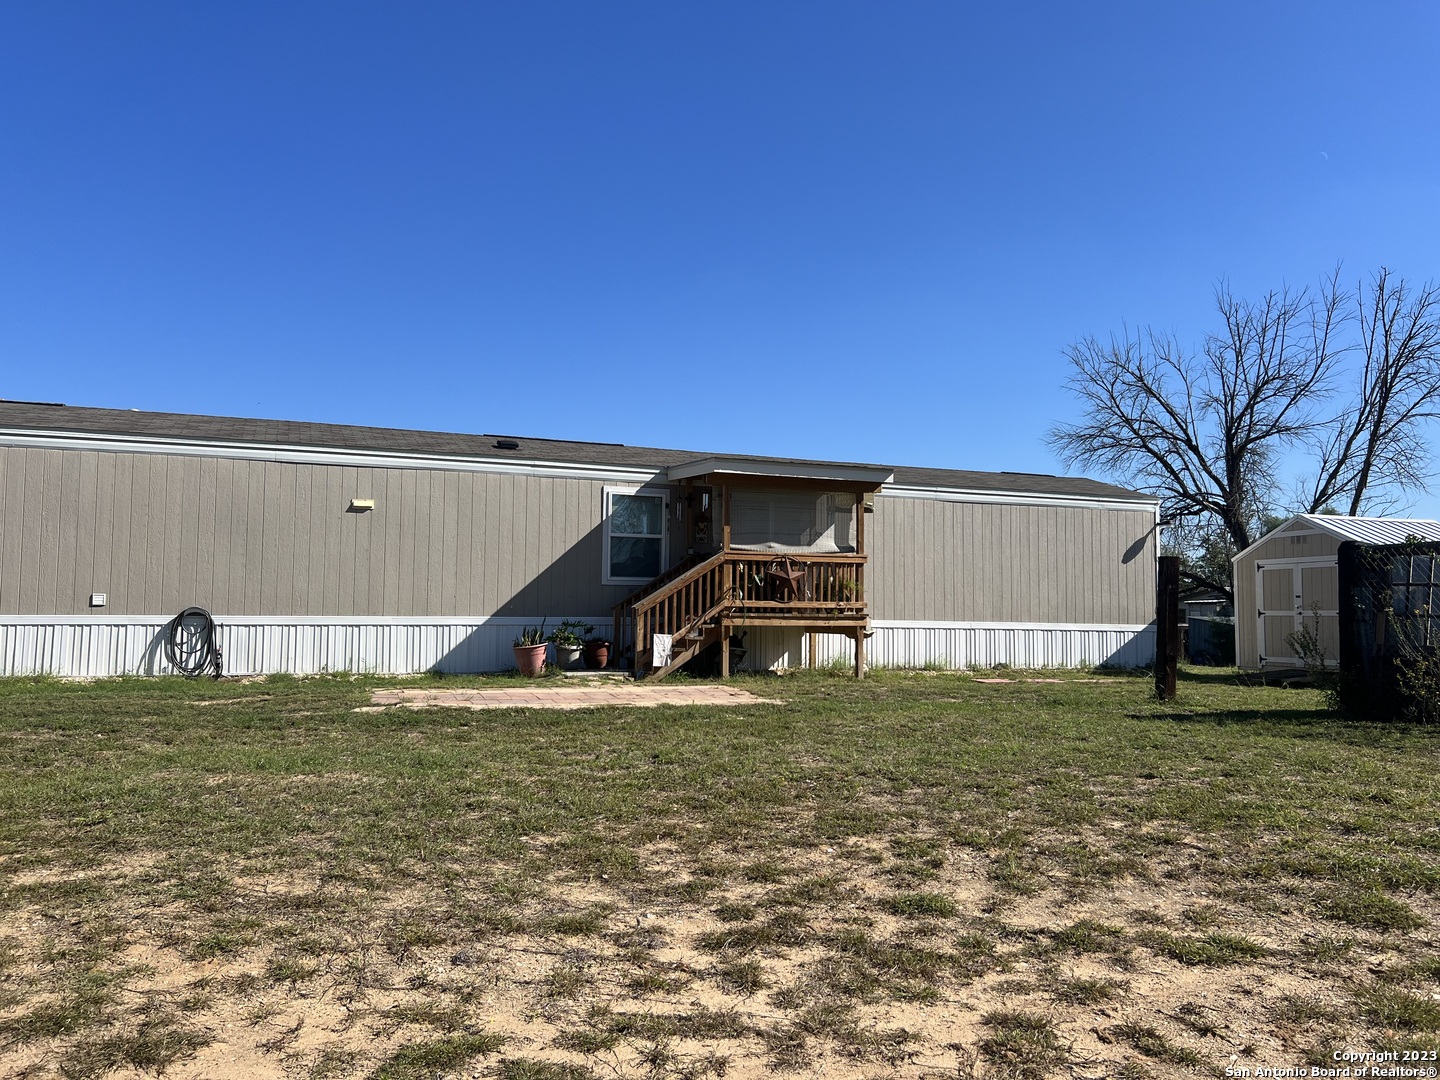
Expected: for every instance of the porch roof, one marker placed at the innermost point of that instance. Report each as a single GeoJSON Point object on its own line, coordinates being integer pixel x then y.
{"type": "Point", "coordinates": [872, 476]}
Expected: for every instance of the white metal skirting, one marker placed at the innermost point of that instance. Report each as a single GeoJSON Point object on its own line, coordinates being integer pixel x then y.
{"type": "Point", "coordinates": [1023, 645]}
{"type": "Point", "coordinates": [955, 645]}
{"type": "Point", "coordinates": [250, 645]}
{"type": "Point", "coordinates": [97, 646]}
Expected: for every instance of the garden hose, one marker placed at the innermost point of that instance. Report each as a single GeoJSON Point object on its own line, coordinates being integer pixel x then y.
{"type": "Point", "coordinates": [191, 645]}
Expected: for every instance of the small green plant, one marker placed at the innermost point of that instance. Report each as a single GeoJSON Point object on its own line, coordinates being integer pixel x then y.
{"type": "Point", "coordinates": [1371, 909]}
{"type": "Point", "coordinates": [741, 976]}
{"type": "Point", "coordinates": [570, 634]}
{"type": "Point", "coordinates": [1417, 677]}
{"type": "Point", "coordinates": [921, 904]}
{"type": "Point", "coordinates": [425, 1059]}
{"type": "Point", "coordinates": [1022, 1045]}
{"type": "Point", "coordinates": [1084, 991]}
{"type": "Point", "coordinates": [1310, 650]}
{"type": "Point", "coordinates": [535, 1069]}
{"type": "Point", "coordinates": [735, 912]}
{"type": "Point", "coordinates": [530, 635]}
{"type": "Point", "coordinates": [1155, 1045]}
{"type": "Point", "coordinates": [1212, 950]}
{"type": "Point", "coordinates": [1398, 1009]}
{"type": "Point", "coordinates": [1087, 936]}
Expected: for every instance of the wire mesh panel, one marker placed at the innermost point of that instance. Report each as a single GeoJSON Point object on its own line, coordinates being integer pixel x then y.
{"type": "Point", "coordinates": [1390, 628]}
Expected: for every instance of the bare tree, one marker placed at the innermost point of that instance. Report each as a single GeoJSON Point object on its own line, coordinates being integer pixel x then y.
{"type": "Point", "coordinates": [1376, 445]}
{"type": "Point", "coordinates": [1209, 431]}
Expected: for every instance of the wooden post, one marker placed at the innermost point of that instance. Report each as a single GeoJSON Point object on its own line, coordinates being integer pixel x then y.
{"type": "Point", "coordinates": [860, 549]}
{"type": "Point", "coordinates": [689, 497]}
{"type": "Point", "coordinates": [725, 516]}
{"type": "Point", "coordinates": [859, 652]}
{"type": "Point", "coordinates": [724, 650]}
{"type": "Point", "coordinates": [1167, 627]}
{"type": "Point", "coordinates": [814, 641]}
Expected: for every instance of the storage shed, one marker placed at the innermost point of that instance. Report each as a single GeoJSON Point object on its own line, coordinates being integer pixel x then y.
{"type": "Point", "coordinates": [332, 547]}
{"type": "Point", "coordinates": [1289, 579]}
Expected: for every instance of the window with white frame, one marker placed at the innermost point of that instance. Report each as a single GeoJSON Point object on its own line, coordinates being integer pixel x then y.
{"type": "Point", "coordinates": [634, 535]}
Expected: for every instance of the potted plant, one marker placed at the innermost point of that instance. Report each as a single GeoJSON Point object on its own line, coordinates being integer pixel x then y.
{"type": "Point", "coordinates": [597, 653]}
{"type": "Point", "coordinates": [569, 643]}
{"type": "Point", "coordinates": [530, 648]}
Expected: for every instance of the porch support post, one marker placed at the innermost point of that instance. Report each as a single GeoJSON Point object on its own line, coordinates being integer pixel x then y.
{"type": "Point", "coordinates": [724, 650]}
{"type": "Point", "coordinates": [860, 593]}
{"type": "Point", "coordinates": [689, 497]}
{"type": "Point", "coordinates": [859, 652]}
{"type": "Point", "coordinates": [725, 515]}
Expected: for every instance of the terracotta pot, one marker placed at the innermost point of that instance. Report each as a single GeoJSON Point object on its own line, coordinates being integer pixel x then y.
{"type": "Point", "coordinates": [597, 654]}
{"type": "Point", "coordinates": [568, 657]}
{"type": "Point", "coordinates": [530, 659]}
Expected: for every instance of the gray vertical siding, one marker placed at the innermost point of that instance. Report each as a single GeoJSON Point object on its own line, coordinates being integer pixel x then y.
{"type": "Point", "coordinates": [159, 532]}
{"type": "Point", "coordinates": [986, 562]}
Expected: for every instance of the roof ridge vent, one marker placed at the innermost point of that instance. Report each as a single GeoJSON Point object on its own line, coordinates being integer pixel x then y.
{"type": "Point", "coordinates": [506, 444]}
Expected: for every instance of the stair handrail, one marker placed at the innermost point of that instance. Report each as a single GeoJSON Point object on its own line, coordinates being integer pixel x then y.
{"type": "Point", "coordinates": [669, 588]}
{"type": "Point", "coordinates": [700, 620]}
{"type": "Point", "coordinates": [684, 566]}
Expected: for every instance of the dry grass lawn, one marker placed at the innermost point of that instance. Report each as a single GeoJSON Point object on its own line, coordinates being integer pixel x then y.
{"type": "Point", "coordinates": [919, 875]}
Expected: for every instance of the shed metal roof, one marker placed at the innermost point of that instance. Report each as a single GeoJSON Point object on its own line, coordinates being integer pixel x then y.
{"type": "Point", "coordinates": [1367, 530]}
{"type": "Point", "coordinates": [69, 419]}
{"type": "Point", "coordinates": [1375, 530]}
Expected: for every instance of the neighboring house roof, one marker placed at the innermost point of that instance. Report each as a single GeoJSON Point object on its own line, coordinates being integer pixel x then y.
{"type": "Point", "coordinates": [1203, 596]}
{"type": "Point", "coordinates": [69, 419]}
{"type": "Point", "coordinates": [1367, 530]}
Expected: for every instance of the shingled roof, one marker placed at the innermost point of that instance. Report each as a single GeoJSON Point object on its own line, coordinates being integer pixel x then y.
{"type": "Point", "coordinates": [56, 418]}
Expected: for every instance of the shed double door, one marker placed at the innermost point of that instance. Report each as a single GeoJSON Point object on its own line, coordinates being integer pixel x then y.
{"type": "Point", "coordinates": [1295, 595]}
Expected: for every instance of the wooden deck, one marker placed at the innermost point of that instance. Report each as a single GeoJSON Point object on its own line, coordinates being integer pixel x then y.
{"type": "Point", "coordinates": [702, 599]}
{"type": "Point", "coordinates": [701, 603]}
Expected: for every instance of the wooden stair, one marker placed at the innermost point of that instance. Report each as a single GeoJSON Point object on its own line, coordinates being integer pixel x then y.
{"type": "Point", "coordinates": [696, 603]}
{"type": "Point", "coordinates": [697, 641]}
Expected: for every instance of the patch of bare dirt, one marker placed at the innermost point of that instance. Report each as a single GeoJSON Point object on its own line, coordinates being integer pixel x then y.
{"type": "Point", "coordinates": [627, 980]}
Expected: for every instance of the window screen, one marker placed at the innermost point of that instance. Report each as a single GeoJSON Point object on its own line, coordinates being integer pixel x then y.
{"type": "Point", "coordinates": [791, 521]}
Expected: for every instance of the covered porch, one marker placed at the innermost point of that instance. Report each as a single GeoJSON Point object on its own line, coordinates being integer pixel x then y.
{"type": "Point", "coordinates": [768, 544]}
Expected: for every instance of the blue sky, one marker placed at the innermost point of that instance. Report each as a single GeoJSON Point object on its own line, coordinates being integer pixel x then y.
{"type": "Point", "coordinates": [856, 231]}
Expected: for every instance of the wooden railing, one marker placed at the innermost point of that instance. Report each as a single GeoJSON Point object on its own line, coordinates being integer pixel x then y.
{"type": "Point", "coordinates": [827, 583]}
{"type": "Point", "coordinates": [732, 584]}
{"type": "Point", "coordinates": [680, 605]}
{"type": "Point", "coordinates": [622, 615]}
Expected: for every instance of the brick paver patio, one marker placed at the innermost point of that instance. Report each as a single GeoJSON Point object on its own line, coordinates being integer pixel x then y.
{"type": "Point", "coordinates": [568, 697]}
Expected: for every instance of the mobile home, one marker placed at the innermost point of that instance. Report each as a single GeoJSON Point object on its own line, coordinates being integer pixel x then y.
{"type": "Point", "coordinates": [329, 547]}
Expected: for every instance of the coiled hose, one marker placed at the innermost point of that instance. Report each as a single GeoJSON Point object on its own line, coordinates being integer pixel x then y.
{"type": "Point", "coordinates": [191, 645]}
